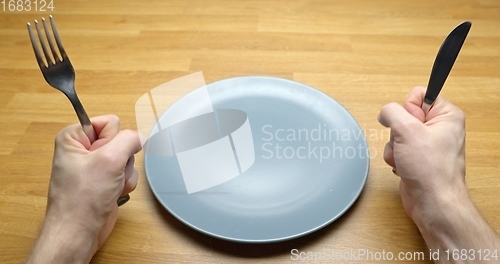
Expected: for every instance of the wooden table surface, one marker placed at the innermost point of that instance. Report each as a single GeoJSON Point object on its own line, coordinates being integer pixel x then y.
{"type": "Point", "coordinates": [362, 53]}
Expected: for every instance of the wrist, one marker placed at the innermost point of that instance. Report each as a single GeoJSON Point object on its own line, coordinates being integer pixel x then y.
{"type": "Point", "coordinates": [80, 211]}
{"type": "Point", "coordinates": [441, 207]}
{"type": "Point", "coordinates": [451, 221]}
{"type": "Point", "coordinates": [62, 240]}
{"type": "Point", "coordinates": [438, 220]}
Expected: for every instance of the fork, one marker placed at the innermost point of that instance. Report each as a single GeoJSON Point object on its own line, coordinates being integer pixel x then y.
{"type": "Point", "coordinates": [60, 74]}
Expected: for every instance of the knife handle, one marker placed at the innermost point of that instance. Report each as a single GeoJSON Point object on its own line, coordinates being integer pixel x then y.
{"type": "Point", "coordinates": [426, 107]}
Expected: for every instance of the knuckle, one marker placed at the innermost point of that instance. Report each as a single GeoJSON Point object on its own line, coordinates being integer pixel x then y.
{"type": "Point", "coordinates": [460, 115]}
{"type": "Point", "coordinates": [63, 135]}
{"type": "Point", "coordinates": [132, 136]}
{"type": "Point", "coordinates": [418, 89]}
{"type": "Point", "coordinates": [385, 111]}
{"type": "Point", "coordinates": [114, 119]}
{"type": "Point", "coordinates": [59, 138]}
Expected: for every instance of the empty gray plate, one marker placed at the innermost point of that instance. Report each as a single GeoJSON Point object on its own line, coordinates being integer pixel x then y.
{"type": "Point", "coordinates": [310, 164]}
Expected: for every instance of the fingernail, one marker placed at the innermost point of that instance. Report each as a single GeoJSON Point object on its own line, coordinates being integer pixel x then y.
{"type": "Point", "coordinates": [123, 200]}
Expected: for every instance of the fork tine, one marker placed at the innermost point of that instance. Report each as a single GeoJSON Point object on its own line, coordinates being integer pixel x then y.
{"type": "Point", "coordinates": [51, 43]}
{"type": "Point", "coordinates": [58, 40]}
{"type": "Point", "coordinates": [42, 43]}
{"type": "Point", "coordinates": [38, 55]}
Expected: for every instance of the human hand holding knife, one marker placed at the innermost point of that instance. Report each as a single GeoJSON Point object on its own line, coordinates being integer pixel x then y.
{"type": "Point", "coordinates": [443, 63]}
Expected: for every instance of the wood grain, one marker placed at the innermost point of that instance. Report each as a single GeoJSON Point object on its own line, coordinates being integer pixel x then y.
{"type": "Point", "coordinates": [362, 53]}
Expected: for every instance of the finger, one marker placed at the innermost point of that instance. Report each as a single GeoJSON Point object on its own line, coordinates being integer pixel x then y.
{"type": "Point", "coordinates": [413, 105]}
{"type": "Point", "coordinates": [106, 128]}
{"type": "Point", "coordinates": [416, 96]}
{"type": "Point", "coordinates": [389, 155]}
{"type": "Point", "coordinates": [129, 168]}
{"type": "Point", "coordinates": [131, 176]}
{"type": "Point", "coordinates": [72, 136]}
{"type": "Point", "coordinates": [123, 146]}
{"type": "Point", "coordinates": [399, 120]}
{"type": "Point", "coordinates": [443, 107]}
{"type": "Point", "coordinates": [393, 114]}
{"type": "Point", "coordinates": [131, 183]}
{"type": "Point", "coordinates": [414, 101]}
{"type": "Point", "coordinates": [106, 125]}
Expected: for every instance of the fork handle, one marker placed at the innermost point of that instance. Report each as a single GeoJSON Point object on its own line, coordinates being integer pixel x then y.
{"type": "Point", "coordinates": [89, 130]}
{"type": "Point", "coordinates": [83, 117]}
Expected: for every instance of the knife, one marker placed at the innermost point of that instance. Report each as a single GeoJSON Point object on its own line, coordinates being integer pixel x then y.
{"type": "Point", "coordinates": [445, 59]}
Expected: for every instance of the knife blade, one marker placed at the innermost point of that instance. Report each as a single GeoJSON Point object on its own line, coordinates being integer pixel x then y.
{"type": "Point", "coordinates": [445, 58]}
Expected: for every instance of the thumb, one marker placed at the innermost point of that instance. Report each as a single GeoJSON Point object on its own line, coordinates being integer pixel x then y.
{"type": "Point", "coordinates": [414, 101]}
{"type": "Point", "coordinates": [124, 145]}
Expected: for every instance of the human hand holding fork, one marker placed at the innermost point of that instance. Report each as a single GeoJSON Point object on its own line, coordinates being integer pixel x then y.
{"type": "Point", "coordinates": [59, 73]}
